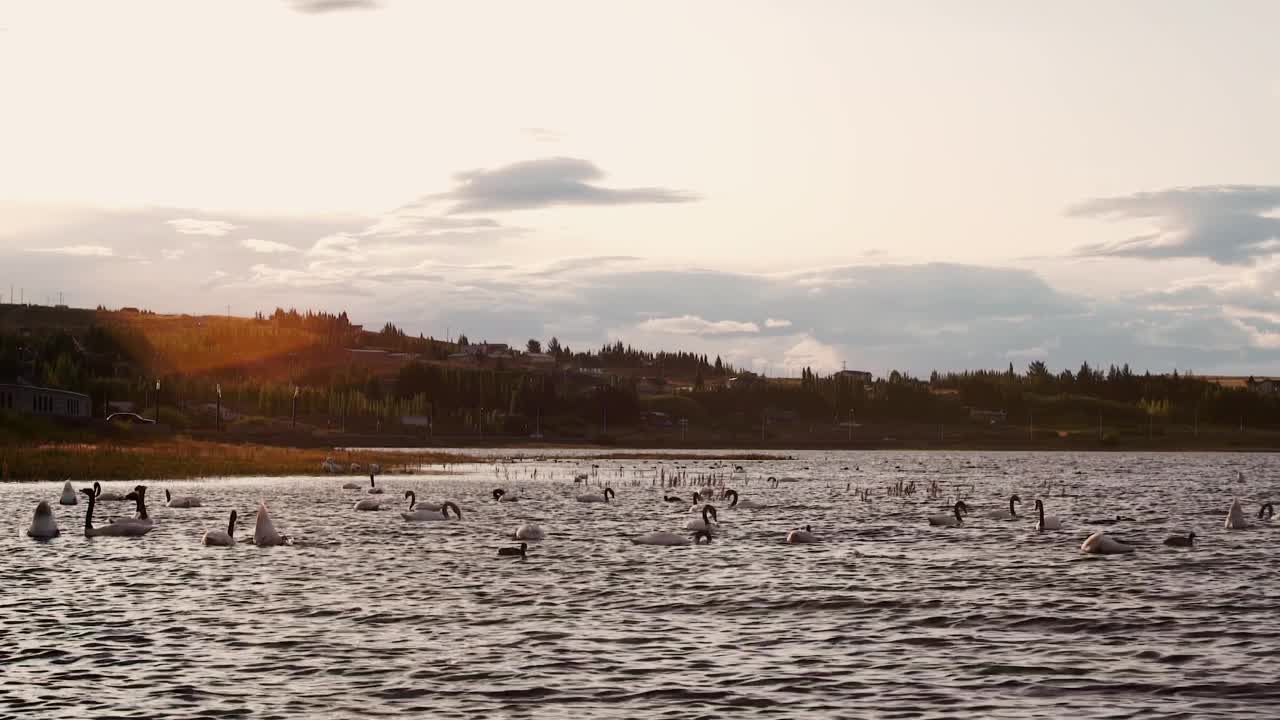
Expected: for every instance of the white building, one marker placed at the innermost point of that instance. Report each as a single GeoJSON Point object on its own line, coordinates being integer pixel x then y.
{"type": "Point", "coordinates": [32, 400]}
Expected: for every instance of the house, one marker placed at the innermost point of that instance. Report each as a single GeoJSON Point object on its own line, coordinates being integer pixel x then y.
{"type": "Point", "coordinates": [32, 400]}
{"type": "Point", "coordinates": [1263, 386]}
{"type": "Point", "coordinates": [861, 376]}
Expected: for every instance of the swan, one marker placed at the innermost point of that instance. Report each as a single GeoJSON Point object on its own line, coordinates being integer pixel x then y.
{"type": "Point", "coordinates": [43, 526]}
{"type": "Point", "coordinates": [1265, 512]}
{"type": "Point", "coordinates": [181, 501]}
{"type": "Point", "coordinates": [1235, 517]}
{"type": "Point", "coordinates": [951, 519]}
{"type": "Point", "coordinates": [123, 528]}
{"type": "Point", "coordinates": [591, 498]}
{"type": "Point", "coordinates": [369, 504]}
{"type": "Point", "coordinates": [672, 539]}
{"type": "Point", "coordinates": [373, 489]}
{"type": "Point", "coordinates": [264, 531]}
{"type": "Point", "coordinates": [68, 495]}
{"type": "Point", "coordinates": [330, 466]}
{"type": "Point", "coordinates": [105, 496]}
{"type": "Point", "coordinates": [415, 505]}
{"type": "Point", "coordinates": [139, 497]}
{"type": "Point", "coordinates": [219, 537]}
{"type": "Point", "coordinates": [1012, 514]}
{"type": "Point", "coordinates": [1179, 541]}
{"type": "Point", "coordinates": [443, 514]}
{"type": "Point", "coordinates": [672, 498]}
{"type": "Point", "coordinates": [513, 551]}
{"type": "Point", "coordinates": [1102, 544]}
{"type": "Point", "coordinates": [529, 531]}
{"type": "Point", "coordinates": [806, 535]}
{"type": "Point", "coordinates": [746, 504]}
{"type": "Point", "coordinates": [503, 496]}
{"type": "Point", "coordinates": [352, 485]}
{"type": "Point", "coordinates": [1046, 523]}
{"type": "Point", "coordinates": [703, 523]}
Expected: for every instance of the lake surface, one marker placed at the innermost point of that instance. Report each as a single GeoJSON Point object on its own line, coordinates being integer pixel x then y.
{"type": "Point", "coordinates": [371, 616]}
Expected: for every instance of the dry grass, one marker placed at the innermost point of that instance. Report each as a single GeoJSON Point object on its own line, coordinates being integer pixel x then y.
{"type": "Point", "coordinates": [185, 458]}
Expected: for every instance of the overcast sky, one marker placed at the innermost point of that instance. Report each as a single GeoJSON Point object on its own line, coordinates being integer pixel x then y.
{"type": "Point", "coordinates": [913, 185]}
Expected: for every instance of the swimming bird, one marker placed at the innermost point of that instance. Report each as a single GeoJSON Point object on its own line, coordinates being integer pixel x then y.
{"type": "Point", "coordinates": [1235, 517]}
{"type": "Point", "coordinates": [443, 514]}
{"type": "Point", "coordinates": [951, 519]}
{"type": "Point", "coordinates": [181, 501]}
{"type": "Point", "coordinates": [1180, 541]}
{"type": "Point", "coordinates": [105, 496]}
{"type": "Point", "coordinates": [502, 495]}
{"type": "Point", "coordinates": [806, 535]}
{"type": "Point", "coordinates": [139, 497]}
{"type": "Point", "coordinates": [529, 531]}
{"type": "Point", "coordinates": [1046, 523]}
{"type": "Point", "coordinates": [122, 528]}
{"type": "Point", "coordinates": [1011, 514]}
{"type": "Point", "coordinates": [1265, 512]}
{"type": "Point", "coordinates": [703, 523]}
{"type": "Point", "coordinates": [672, 499]}
{"type": "Point", "coordinates": [671, 539]}
{"type": "Point", "coordinates": [43, 525]}
{"type": "Point", "coordinates": [1102, 544]}
{"type": "Point", "coordinates": [744, 504]}
{"type": "Point", "coordinates": [513, 552]}
{"type": "Point", "coordinates": [352, 485]}
{"type": "Point", "coordinates": [593, 498]}
{"type": "Point", "coordinates": [220, 538]}
{"type": "Point", "coordinates": [369, 504]}
{"type": "Point", "coordinates": [68, 495]}
{"type": "Point", "coordinates": [264, 531]}
{"type": "Point", "coordinates": [373, 488]}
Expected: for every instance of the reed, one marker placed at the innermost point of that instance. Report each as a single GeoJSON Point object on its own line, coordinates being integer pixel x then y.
{"type": "Point", "coordinates": [186, 458]}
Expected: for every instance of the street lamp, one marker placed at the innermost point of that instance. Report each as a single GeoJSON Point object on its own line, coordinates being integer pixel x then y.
{"type": "Point", "coordinates": [293, 414]}
{"type": "Point", "coordinates": [157, 401]}
{"type": "Point", "coordinates": [218, 420]}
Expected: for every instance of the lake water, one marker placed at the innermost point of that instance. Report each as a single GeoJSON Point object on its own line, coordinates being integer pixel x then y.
{"type": "Point", "coordinates": [371, 616]}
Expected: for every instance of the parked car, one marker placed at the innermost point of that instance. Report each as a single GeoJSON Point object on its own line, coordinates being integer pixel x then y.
{"type": "Point", "coordinates": [130, 419]}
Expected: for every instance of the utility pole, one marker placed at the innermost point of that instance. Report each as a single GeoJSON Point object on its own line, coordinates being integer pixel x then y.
{"type": "Point", "coordinates": [293, 414]}
{"type": "Point", "coordinates": [157, 401]}
{"type": "Point", "coordinates": [217, 423]}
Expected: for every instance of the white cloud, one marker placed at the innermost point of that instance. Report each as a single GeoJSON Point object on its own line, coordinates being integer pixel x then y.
{"type": "Point", "coordinates": [694, 325]}
{"type": "Point", "coordinates": [813, 353]}
{"type": "Point", "coordinates": [267, 246]}
{"type": "Point", "coordinates": [336, 246]}
{"type": "Point", "coordinates": [192, 226]}
{"type": "Point", "coordinates": [78, 250]}
{"type": "Point", "coordinates": [175, 254]}
{"type": "Point", "coordinates": [772, 323]}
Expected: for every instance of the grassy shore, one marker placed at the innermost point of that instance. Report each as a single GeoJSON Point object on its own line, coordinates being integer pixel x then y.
{"type": "Point", "coordinates": [185, 458]}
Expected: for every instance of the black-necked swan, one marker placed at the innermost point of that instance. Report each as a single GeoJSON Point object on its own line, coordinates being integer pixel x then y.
{"type": "Point", "coordinates": [1046, 523]}
{"type": "Point", "coordinates": [369, 504]}
{"type": "Point", "coordinates": [181, 501]}
{"type": "Point", "coordinates": [1235, 517]}
{"type": "Point", "coordinates": [601, 498]}
{"type": "Point", "coordinates": [352, 485]}
{"type": "Point", "coordinates": [704, 522]}
{"type": "Point", "coordinates": [744, 504]}
{"type": "Point", "coordinates": [139, 497]}
{"type": "Point", "coordinates": [951, 519]}
{"type": "Point", "coordinates": [1100, 543]}
{"type": "Point", "coordinates": [672, 498]}
{"type": "Point", "coordinates": [43, 525]}
{"type": "Point", "coordinates": [123, 528]}
{"type": "Point", "coordinates": [106, 496]}
{"type": "Point", "coordinates": [1180, 541]}
{"type": "Point", "coordinates": [1266, 512]}
{"type": "Point", "coordinates": [264, 531]}
{"type": "Point", "coordinates": [796, 537]}
{"type": "Point", "coordinates": [415, 505]}
{"type": "Point", "coordinates": [443, 514]}
{"type": "Point", "coordinates": [373, 488]}
{"type": "Point", "coordinates": [671, 539]}
{"type": "Point", "coordinates": [529, 531]}
{"type": "Point", "coordinates": [223, 538]}
{"type": "Point", "coordinates": [502, 495]}
{"type": "Point", "coordinates": [69, 496]}
{"type": "Point", "coordinates": [1010, 514]}
{"type": "Point", "coordinates": [514, 551]}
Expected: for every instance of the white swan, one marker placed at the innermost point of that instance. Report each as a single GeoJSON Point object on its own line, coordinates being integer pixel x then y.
{"type": "Point", "coordinates": [1235, 517]}
{"type": "Point", "coordinates": [264, 531]}
{"type": "Point", "coordinates": [1046, 523]}
{"type": "Point", "coordinates": [181, 501]}
{"type": "Point", "coordinates": [592, 498]}
{"type": "Point", "coordinates": [704, 522]}
{"type": "Point", "coordinates": [222, 538]}
{"type": "Point", "coordinates": [122, 528]}
{"type": "Point", "coordinates": [1010, 514]}
{"type": "Point", "coordinates": [744, 504]}
{"type": "Point", "coordinates": [373, 489]}
{"type": "Point", "coordinates": [43, 525]}
{"type": "Point", "coordinates": [443, 514]}
{"type": "Point", "coordinates": [529, 531]}
{"type": "Point", "coordinates": [105, 496]}
{"type": "Point", "coordinates": [1102, 544]}
{"type": "Point", "coordinates": [369, 504]}
{"type": "Point", "coordinates": [68, 495]}
{"type": "Point", "coordinates": [671, 539]}
{"type": "Point", "coordinates": [951, 519]}
{"type": "Point", "coordinates": [796, 537]}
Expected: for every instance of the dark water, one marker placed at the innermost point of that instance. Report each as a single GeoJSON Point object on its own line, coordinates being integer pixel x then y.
{"type": "Point", "coordinates": [372, 616]}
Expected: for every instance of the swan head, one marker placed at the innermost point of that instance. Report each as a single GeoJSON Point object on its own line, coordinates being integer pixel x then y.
{"type": "Point", "coordinates": [92, 492]}
{"type": "Point", "coordinates": [498, 493]}
{"type": "Point", "coordinates": [709, 514]}
{"type": "Point", "coordinates": [700, 535]}
{"type": "Point", "coordinates": [609, 493]}
{"type": "Point", "coordinates": [1039, 505]}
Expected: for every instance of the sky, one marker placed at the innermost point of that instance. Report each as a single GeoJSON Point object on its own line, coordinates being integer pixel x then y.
{"type": "Point", "coordinates": [884, 185]}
